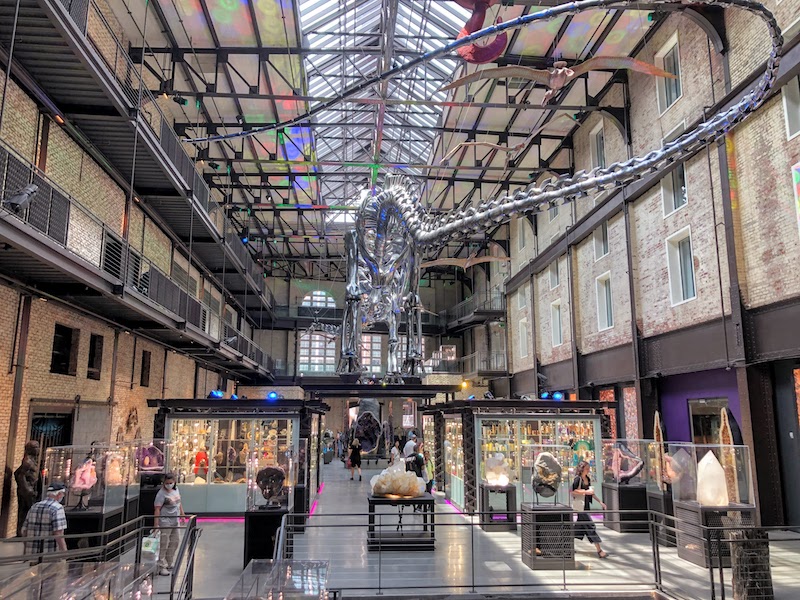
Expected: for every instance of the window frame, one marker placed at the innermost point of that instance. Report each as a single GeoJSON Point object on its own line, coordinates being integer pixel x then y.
{"type": "Point", "coordinates": [522, 299]}
{"type": "Point", "coordinates": [673, 43]}
{"type": "Point", "coordinates": [603, 241]}
{"type": "Point", "coordinates": [315, 300]}
{"type": "Point", "coordinates": [368, 353]}
{"type": "Point", "coordinates": [795, 85]}
{"type": "Point", "coordinates": [328, 353]}
{"type": "Point", "coordinates": [674, 133]}
{"type": "Point", "coordinates": [557, 272]}
{"type": "Point", "coordinates": [521, 235]}
{"type": "Point", "coordinates": [94, 368]}
{"type": "Point", "coordinates": [72, 354]}
{"type": "Point", "coordinates": [556, 306]}
{"type": "Point", "coordinates": [552, 213]}
{"type": "Point", "coordinates": [144, 371]}
{"type": "Point", "coordinates": [522, 343]}
{"type": "Point", "coordinates": [604, 280]}
{"type": "Point", "coordinates": [598, 132]}
{"type": "Point", "coordinates": [674, 261]}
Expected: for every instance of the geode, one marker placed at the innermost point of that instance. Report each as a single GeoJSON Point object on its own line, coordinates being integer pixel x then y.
{"type": "Point", "coordinates": [270, 481]}
{"type": "Point", "coordinates": [546, 475]}
{"type": "Point", "coordinates": [367, 427]}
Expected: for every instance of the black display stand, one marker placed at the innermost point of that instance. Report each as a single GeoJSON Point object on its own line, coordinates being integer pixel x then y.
{"type": "Point", "coordinates": [383, 539]}
{"type": "Point", "coordinates": [498, 518]}
{"type": "Point", "coordinates": [549, 528]}
{"type": "Point", "coordinates": [660, 503]}
{"type": "Point", "coordinates": [301, 504]}
{"type": "Point", "coordinates": [699, 546]}
{"type": "Point", "coordinates": [149, 483]}
{"type": "Point", "coordinates": [132, 507]}
{"type": "Point", "coordinates": [626, 498]}
{"type": "Point", "coordinates": [260, 531]}
{"type": "Point", "coordinates": [92, 521]}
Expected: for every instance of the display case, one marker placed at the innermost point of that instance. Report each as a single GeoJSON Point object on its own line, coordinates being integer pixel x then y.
{"type": "Point", "coordinates": [712, 486]}
{"type": "Point", "coordinates": [659, 493]}
{"type": "Point", "coordinates": [209, 457]}
{"type": "Point", "coordinates": [429, 437]}
{"type": "Point", "coordinates": [271, 478]}
{"type": "Point", "coordinates": [151, 455]}
{"type": "Point", "coordinates": [93, 476]}
{"type": "Point", "coordinates": [509, 435]}
{"type": "Point", "coordinates": [285, 579]}
{"type": "Point", "coordinates": [624, 490]}
{"type": "Point", "coordinates": [313, 462]}
{"type": "Point", "coordinates": [546, 474]}
{"type": "Point", "coordinates": [454, 461]}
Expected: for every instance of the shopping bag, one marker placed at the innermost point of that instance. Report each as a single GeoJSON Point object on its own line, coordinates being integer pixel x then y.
{"type": "Point", "coordinates": [348, 463]}
{"type": "Point", "coordinates": [151, 545]}
{"type": "Point", "coordinates": [578, 503]}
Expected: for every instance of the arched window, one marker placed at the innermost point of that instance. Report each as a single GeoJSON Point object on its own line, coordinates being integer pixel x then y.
{"type": "Point", "coordinates": [316, 354]}
{"type": "Point", "coordinates": [319, 299]}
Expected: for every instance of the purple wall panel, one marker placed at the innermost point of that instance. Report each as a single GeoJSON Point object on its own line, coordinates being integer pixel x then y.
{"type": "Point", "coordinates": [677, 390]}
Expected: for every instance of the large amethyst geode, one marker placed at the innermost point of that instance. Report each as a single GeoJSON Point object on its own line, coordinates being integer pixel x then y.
{"type": "Point", "coordinates": [270, 481]}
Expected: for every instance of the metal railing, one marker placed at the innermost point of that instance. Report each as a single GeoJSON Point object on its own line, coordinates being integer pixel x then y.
{"type": "Point", "coordinates": [236, 340]}
{"type": "Point", "coordinates": [759, 563]}
{"type": "Point", "coordinates": [484, 361]}
{"type": "Point", "coordinates": [481, 302]}
{"type": "Point", "coordinates": [122, 544]}
{"type": "Point", "coordinates": [100, 34]}
{"type": "Point", "coordinates": [437, 363]}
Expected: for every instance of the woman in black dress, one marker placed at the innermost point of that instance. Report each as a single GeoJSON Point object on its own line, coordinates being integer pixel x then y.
{"type": "Point", "coordinates": [582, 488]}
{"type": "Point", "coordinates": [355, 458]}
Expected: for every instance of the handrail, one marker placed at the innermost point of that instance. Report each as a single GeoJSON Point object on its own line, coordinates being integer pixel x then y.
{"type": "Point", "coordinates": [490, 300]}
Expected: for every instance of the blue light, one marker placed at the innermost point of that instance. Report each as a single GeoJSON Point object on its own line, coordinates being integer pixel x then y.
{"type": "Point", "coordinates": [245, 239]}
{"type": "Point", "coordinates": [234, 397]}
{"type": "Point", "coordinates": [558, 396]}
{"type": "Point", "coordinates": [216, 394]}
{"type": "Point", "coordinates": [544, 395]}
{"type": "Point", "coordinates": [471, 397]}
{"type": "Point", "coordinates": [272, 396]}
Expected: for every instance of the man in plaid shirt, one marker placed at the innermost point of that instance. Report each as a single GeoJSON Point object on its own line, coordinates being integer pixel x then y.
{"type": "Point", "coordinates": [46, 519]}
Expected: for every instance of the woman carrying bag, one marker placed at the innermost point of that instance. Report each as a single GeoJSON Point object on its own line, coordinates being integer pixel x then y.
{"type": "Point", "coordinates": [582, 495]}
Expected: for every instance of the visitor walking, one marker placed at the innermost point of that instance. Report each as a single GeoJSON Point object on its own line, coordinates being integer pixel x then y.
{"type": "Point", "coordinates": [168, 511]}
{"type": "Point", "coordinates": [411, 444]}
{"type": "Point", "coordinates": [355, 458]}
{"type": "Point", "coordinates": [582, 495]}
{"type": "Point", "coordinates": [46, 519]}
{"type": "Point", "coordinates": [395, 453]}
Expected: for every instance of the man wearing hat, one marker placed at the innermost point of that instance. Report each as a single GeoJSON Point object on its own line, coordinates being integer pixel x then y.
{"type": "Point", "coordinates": [46, 519]}
{"type": "Point", "coordinates": [411, 444]}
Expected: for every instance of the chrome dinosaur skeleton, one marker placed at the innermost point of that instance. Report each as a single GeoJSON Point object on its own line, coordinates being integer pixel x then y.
{"type": "Point", "coordinates": [393, 228]}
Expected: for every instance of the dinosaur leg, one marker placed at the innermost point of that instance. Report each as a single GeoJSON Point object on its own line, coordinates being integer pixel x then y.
{"type": "Point", "coordinates": [350, 354]}
{"type": "Point", "coordinates": [392, 372]}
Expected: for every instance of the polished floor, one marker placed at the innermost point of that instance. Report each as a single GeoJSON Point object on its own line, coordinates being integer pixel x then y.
{"type": "Point", "coordinates": [466, 560]}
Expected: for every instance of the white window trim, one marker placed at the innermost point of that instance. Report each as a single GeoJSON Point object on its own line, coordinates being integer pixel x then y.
{"type": "Point", "coordinates": [594, 241]}
{"type": "Point", "coordinates": [665, 49]}
{"type": "Point", "coordinates": [597, 281]}
{"type": "Point", "coordinates": [680, 235]}
{"type": "Point", "coordinates": [794, 81]}
{"type": "Point", "coordinates": [550, 213]}
{"type": "Point", "coordinates": [553, 305]}
{"type": "Point", "coordinates": [550, 276]}
{"type": "Point", "coordinates": [523, 323]}
{"type": "Point", "coordinates": [672, 134]}
{"type": "Point", "coordinates": [521, 239]}
{"type": "Point", "coordinates": [522, 299]}
{"type": "Point", "coordinates": [593, 145]}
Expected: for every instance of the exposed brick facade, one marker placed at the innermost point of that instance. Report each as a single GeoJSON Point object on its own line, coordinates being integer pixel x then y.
{"type": "Point", "coordinates": [20, 127]}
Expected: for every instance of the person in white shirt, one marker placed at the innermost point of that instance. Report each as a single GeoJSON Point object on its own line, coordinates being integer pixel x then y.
{"type": "Point", "coordinates": [168, 511]}
{"type": "Point", "coordinates": [395, 453]}
{"type": "Point", "coordinates": [408, 449]}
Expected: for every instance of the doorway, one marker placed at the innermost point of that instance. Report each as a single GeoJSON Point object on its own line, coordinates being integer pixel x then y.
{"type": "Point", "coordinates": [787, 417]}
{"type": "Point", "coordinates": [705, 415]}
{"type": "Point", "coordinates": [51, 429]}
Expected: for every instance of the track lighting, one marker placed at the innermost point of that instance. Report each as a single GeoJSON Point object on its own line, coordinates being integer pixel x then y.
{"type": "Point", "coordinates": [244, 236]}
{"type": "Point", "coordinates": [180, 100]}
{"type": "Point", "coordinates": [214, 165]}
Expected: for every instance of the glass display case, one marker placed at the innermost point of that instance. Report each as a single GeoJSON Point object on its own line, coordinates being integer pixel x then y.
{"type": "Point", "coordinates": [81, 581]}
{"type": "Point", "coordinates": [546, 473]}
{"type": "Point", "coordinates": [655, 475]}
{"type": "Point", "coordinates": [454, 461]}
{"type": "Point", "coordinates": [271, 478]}
{"type": "Point", "coordinates": [94, 476]}
{"type": "Point", "coordinates": [508, 435]}
{"type": "Point", "coordinates": [210, 456]}
{"type": "Point", "coordinates": [429, 437]}
{"type": "Point", "coordinates": [710, 475]}
{"type": "Point", "coordinates": [284, 579]}
{"type": "Point", "coordinates": [313, 460]}
{"type": "Point", "coordinates": [150, 455]}
{"type": "Point", "coordinates": [624, 462]}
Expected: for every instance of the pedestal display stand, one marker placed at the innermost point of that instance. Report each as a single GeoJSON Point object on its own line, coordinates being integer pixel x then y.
{"type": "Point", "coordinates": [406, 536]}
{"type": "Point", "coordinates": [660, 505]}
{"type": "Point", "coordinates": [260, 531]}
{"type": "Point", "coordinates": [547, 527]}
{"type": "Point", "coordinates": [79, 522]}
{"type": "Point", "coordinates": [700, 546]}
{"type": "Point", "coordinates": [498, 507]}
{"type": "Point", "coordinates": [623, 497]}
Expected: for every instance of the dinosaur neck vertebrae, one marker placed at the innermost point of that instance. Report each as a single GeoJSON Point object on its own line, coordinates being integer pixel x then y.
{"type": "Point", "coordinates": [430, 231]}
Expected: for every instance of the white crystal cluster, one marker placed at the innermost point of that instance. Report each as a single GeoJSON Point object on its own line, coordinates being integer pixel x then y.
{"type": "Point", "coordinates": [396, 481]}
{"type": "Point", "coordinates": [497, 470]}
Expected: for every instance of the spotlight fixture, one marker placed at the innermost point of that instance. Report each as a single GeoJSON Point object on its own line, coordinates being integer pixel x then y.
{"type": "Point", "coordinates": [544, 395]}
{"type": "Point", "coordinates": [230, 341]}
{"type": "Point", "coordinates": [558, 396]}
{"type": "Point", "coordinates": [244, 236]}
{"type": "Point", "coordinates": [216, 394]}
{"type": "Point", "coordinates": [488, 396]}
{"type": "Point", "coordinates": [274, 396]}
{"type": "Point", "coordinates": [240, 119]}
{"type": "Point", "coordinates": [180, 100]}
{"type": "Point", "coordinates": [20, 199]}
{"type": "Point", "coordinates": [472, 397]}
{"type": "Point", "coordinates": [464, 385]}
{"type": "Point", "coordinates": [214, 165]}
{"type": "Point", "coordinates": [234, 397]}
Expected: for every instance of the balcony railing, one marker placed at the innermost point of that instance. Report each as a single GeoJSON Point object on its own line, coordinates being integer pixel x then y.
{"type": "Point", "coordinates": [484, 301]}
{"type": "Point", "coordinates": [97, 31]}
{"type": "Point", "coordinates": [438, 363]}
{"type": "Point", "coordinates": [242, 344]}
{"type": "Point", "coordinates": [479, 362]}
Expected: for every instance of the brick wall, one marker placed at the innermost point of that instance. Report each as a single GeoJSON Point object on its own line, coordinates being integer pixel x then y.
{"type": "Point", "coordinates": [20, 125]}
{"type": "Point", "coordinates": [8, 321]}
{"type": "Point", "coordinates": [768, 221]}
{"type": "Point", "coordinates": [588, 268]}
{"type": "Point", "coordinates": [545, 351]}
{"type": "Point", "coordinates": [157, 247]}
{"type": "Point", "coordinates": [64, 160]}
{"type": "Point", "coordinates": [136, 228]}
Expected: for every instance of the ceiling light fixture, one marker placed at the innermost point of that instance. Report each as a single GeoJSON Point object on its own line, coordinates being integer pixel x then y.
{"type": "Point", "coordinates": [180, 100]}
